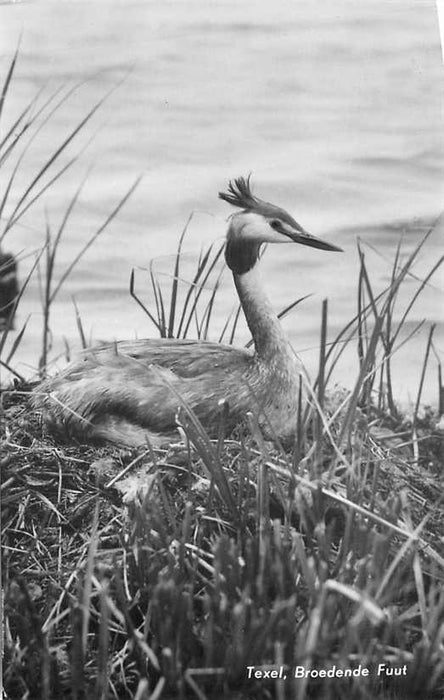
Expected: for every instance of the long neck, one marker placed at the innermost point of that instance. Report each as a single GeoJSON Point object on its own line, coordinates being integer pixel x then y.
{"type": "Point", "coordinates": [269, 338]}
{"type": "Point", "coordinates": [242, 257]}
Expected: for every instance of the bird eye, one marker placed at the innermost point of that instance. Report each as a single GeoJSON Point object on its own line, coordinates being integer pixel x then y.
{"type": "Point", "coordinates": [276, 224]}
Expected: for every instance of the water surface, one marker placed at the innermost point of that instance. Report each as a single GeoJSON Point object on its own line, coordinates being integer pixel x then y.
{"type": "Point", "coordinates": [336, 109]}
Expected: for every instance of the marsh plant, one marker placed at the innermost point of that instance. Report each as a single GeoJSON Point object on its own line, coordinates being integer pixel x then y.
{"type": "Point", "coordinates": [219, 567]}
{"type": "Point", "coordinates": [18, 199]}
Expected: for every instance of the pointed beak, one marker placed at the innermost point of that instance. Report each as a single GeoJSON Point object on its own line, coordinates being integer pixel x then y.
{"type": "Point", "coordinates": [300, 236]}
{"type": "Point", "coordinates": [295, 232]}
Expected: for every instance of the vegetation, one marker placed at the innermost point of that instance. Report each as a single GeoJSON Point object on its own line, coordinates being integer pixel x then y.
{"type": "Point", "coordinates": [218, 568]}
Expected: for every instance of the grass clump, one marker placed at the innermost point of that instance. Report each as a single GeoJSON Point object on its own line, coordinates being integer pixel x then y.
{"type": "Point", "coordinates": [217, 568]}
{"type": "Point", "coordinates": [180, 591]}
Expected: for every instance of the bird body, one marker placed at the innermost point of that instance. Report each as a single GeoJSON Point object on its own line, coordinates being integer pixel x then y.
{"type": "Point", "coordinates": [127, 392]}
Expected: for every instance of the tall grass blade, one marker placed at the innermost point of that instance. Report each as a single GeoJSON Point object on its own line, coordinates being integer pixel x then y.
{"type": "Point", "coordinates": [201, 265]}
{"type": "Point", "coordinates": [222, 427]}
{"type": "Point", "coordinates": [140, 302]}
{"type": "Point", "coordinates": [17, 341]}
{"type": "Point", "coordinates": [174, 286]}
{"type": "Point", "coordinates": [5, 332]}
{"type": "Point", "coordinates": [440, 391]}
{"type": "Point", "coordinates": [79, 324]}
{"type": "Point", "coordinates": [87, 585]}
{"type": "Point", "coordinates": [299, 440]}
{"type": "Point", "coordinates": [22, 205]}
{"type": "Point", "coordinates": [322, 355]}
{"type": "Point", "coordinates": [235, 324]}
{"type": "Point", "coordinates": [423, 284]}
{"type": "Point", "coordinates": [365, 288]}
{"type": "Point", "coordinates": [206, 272]}
{"type": "Point", "coordinates": [94, 237]}
{"type": "Point", "coordinates": [66, 216]}
{"type": "Point", "coordinates": [228, 320]}
{"type": "Point", "coordinates": [389, 339]}
{"type": "Point", "coordinates": [423, 373]}
{"type": "Point", "coordinates": [103, 644]}
{"type": "Point", "coordinates": [162, 314]}
{"type": "Point", "coordinates": [361, 329]}
{"type": "Point", "coordinates": [199, 438]}
{"type": "Point", "coordinates": [204, 326]}
{"type": "Point", "coordinates": [14, 372]}
{"type": "Point", "coordinates": [43, 360]}
{"type": "Point", "coordinates": [285, 311]}
{"type": "Point", "coordinates": [8, 78]}
{"type": "Point", "coordinates": [18, 138]}
{"type": "Point", "coordinates": [366, 369]}
{"type": "Point", "coordinates": [17, 131]}
{"type": "Point", "coordinates": [321, 387]}
{"type": "Point", "coordinates": [201, 441]}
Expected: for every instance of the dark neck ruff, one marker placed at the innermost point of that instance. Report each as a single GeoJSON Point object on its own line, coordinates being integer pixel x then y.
{"type": "Point", "coordinates": [241, 256]}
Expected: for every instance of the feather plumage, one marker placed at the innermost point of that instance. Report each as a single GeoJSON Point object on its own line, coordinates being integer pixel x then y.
{"type": "Point", "coordinates": [240, 195]}
{"type": "Point", "coordinates": [128, 392]}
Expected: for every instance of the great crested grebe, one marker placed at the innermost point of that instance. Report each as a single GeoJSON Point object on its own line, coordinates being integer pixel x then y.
{"type": "Point", "coordinates": [126, 392]}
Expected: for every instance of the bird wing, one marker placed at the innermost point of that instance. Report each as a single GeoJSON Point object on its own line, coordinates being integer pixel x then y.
{"type": "Point", "coordinates": [183, 358]}
{"type": "Point", "coordinates": [142, 380]}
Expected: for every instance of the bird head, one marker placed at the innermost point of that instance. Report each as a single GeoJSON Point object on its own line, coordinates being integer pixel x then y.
{"type": "Point", "coordinates": [261, 222]}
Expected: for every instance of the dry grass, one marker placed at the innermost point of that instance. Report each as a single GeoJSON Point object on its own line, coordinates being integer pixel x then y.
{"type": "Point", "coordinates": [163, 582]}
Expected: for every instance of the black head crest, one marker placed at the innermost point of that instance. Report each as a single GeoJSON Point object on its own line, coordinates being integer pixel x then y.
{"type": "Point", "coordinates": [239, 194]}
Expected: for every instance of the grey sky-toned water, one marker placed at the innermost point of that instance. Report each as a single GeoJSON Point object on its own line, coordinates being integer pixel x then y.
{"type": "Point", "coordinates": [336, 109]}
